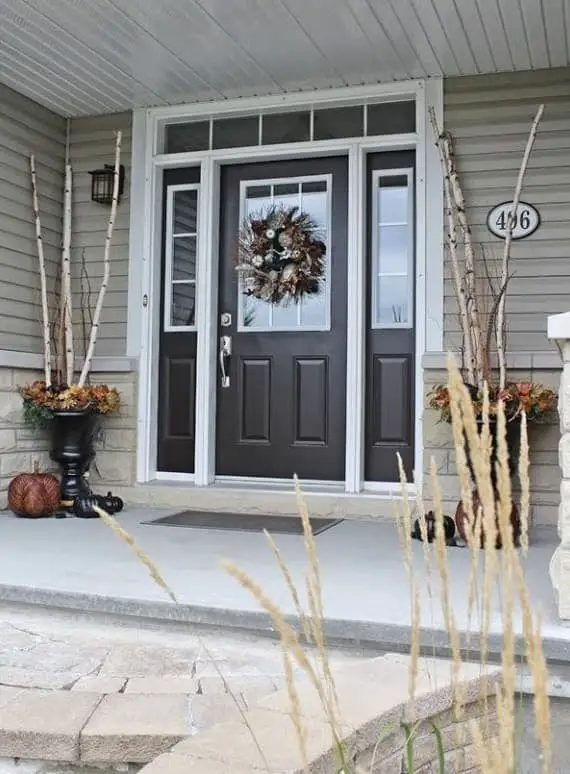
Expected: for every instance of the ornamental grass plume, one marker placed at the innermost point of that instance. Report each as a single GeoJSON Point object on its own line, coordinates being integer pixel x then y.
{"type": "Point", "coordinates": [486, 743]}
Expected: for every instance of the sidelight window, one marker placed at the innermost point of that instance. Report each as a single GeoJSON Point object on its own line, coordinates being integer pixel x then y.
{"type": "Point", "coordinates": [181, 249]}
{"type": "Point", "coordinates": [312, 313]}
{"type": "Point", "coordinates": [392, 249]}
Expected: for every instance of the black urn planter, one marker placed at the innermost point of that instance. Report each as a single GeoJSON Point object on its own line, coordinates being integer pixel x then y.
{"type": "Point", "coordinates": [72, 447]}
{"type": "Point", "coordinates": [513, 439]}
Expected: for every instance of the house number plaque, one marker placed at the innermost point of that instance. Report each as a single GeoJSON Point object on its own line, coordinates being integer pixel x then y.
{"type": "Point", "coordinates": [525, 222]}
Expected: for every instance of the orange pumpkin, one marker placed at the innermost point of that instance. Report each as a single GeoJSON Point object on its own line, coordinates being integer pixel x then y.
{"type": "Point", "coordinates": [34, 494]}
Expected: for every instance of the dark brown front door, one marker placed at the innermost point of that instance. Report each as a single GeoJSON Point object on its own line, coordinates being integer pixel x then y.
{"type": "Point", "coordinates": [390, 316]}
{"type": "Point", "coordinates": [283, 412]}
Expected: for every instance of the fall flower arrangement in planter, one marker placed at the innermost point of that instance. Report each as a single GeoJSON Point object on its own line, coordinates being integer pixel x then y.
{"type": "Point", "coordinates": [481, 304]}
{"type": "Point", "coordinates": [41, 401]}
{"type": "Point", "coordinates": [479, 331]}
{"type": "Point", "coordinates": [535, 400]}
{"type": "Point", "coordinates": [70, 408]}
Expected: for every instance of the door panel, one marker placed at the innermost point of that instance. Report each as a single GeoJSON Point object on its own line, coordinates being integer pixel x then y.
{"type": "Point", "coordinates": [390, 316]}
{"type": "Point", "coordinates": [284, 411]}
{"type": "Point", "coordinates": [177, 364]}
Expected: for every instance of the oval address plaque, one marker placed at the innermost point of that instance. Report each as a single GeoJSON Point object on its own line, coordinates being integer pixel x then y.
{"type": "Point", "coordinates": [526, 220]}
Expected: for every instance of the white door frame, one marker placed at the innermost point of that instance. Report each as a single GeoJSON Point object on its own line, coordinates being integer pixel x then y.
{"type": "Point", "coordinates": [145, 251]}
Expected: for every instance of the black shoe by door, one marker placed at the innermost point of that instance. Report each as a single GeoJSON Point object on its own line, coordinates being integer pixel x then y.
{"type": "Point", "coordinates": [283, 412]}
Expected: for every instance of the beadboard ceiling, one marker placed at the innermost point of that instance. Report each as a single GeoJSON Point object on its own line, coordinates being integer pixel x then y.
{"type": "Point", "coordinates": [85, 57]}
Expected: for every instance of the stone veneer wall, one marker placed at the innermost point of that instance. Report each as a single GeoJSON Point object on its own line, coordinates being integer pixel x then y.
{"type": "Point", "coordinates": [373, 701]}
{"type": "Point", "coordinates": [115, 463]}
{"type": "Point", "coordinates": [543, 439]}
{"type": "Point", "coordinates": [20, 446]}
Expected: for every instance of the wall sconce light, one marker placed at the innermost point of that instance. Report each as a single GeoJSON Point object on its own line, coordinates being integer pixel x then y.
{"type": "Point", "coordinates": [102, 182]}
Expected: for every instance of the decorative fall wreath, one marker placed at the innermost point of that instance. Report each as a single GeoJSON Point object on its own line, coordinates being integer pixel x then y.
{"type": "Point", "coordinates": [281, 256]}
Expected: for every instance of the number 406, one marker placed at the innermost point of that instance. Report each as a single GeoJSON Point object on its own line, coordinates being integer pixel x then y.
{"type": "Point", "coordinates": [523, 220]}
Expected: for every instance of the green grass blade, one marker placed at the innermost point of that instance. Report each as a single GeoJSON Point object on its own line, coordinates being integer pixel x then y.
{"type": "Point", "coordinates": [410, 733]}
{"type": "Point", "coordinates": [436, 731]}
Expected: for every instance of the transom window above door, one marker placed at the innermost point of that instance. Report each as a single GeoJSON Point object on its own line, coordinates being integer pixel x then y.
{"type": "Point", "coordinates": [181, 249]}
{"type": "Point", "coordinates": [313, 124]}
{"type": "Point", "coordinates": [312, 196]}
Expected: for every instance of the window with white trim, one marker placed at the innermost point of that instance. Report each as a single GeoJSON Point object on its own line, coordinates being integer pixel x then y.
{"type": "Point", "coordinates": [393, 249]}
{"type": "Point", "coordinates": [181, 251]}
{"type": "Point", "coordinates": [312, 195]}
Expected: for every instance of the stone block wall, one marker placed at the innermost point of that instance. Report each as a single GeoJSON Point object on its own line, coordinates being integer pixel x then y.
{"type": "Point", "coordinates": [373, 701]}
{"type": "Point", "coordinates": [543, 440]}
{"type": "Point", "coordinates": [115, 463]}
{"type": "Point", "coordinates": [388, 756]}
{"type": "Point", "coordinates": [21, 446]}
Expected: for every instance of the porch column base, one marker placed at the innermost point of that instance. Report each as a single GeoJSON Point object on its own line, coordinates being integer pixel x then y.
{"type": "Point", "coordinates": [559, 331]}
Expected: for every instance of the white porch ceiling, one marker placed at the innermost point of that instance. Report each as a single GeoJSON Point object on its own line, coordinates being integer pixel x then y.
{"type": "Point", "coordinates": [85, 57]}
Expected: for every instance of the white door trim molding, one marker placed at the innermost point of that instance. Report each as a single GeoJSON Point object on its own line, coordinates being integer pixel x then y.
{"type": "Point", "coordinates": [355, 320]}
{"type": "Point", "coordinates": [146, 220]}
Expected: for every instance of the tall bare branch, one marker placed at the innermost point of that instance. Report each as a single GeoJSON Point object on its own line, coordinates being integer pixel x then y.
{"type": "Point", "coordinates": [106, 265]}
{"type": "Point", "coordinates": [501, 327]}
{"type": "Point", "coordinates": [469, 255]}
{"type": "Point", "coordinates": [450, 210]}
{"type": "Point", "coordinates": [43, 282]}
{"type": "Point", "coordinates": [66, 267]}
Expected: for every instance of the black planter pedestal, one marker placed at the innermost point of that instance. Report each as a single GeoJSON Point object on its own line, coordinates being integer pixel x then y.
{"type": "Point", "coordinates": [72, 447]}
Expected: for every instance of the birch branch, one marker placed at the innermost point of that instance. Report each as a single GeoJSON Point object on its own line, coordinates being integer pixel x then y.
{"type": "Point", "coordinates": [106, 265]}
{"type": "Point", "coordinates": [500, 335]}
{"type": "Point", "coordinates": [66, 278]}
{"type": "Point", "coordinates": [452, 239]}
{"type": "Point", "coordinates": [469, 273]}
{"type": "Point", "coordinates": [43, 282]}
{"type": "Point", "coordinates": [59, 333]}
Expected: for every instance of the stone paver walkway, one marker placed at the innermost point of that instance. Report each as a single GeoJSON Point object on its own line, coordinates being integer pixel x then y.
{"type": "Point", "coordinates": [72, 691]}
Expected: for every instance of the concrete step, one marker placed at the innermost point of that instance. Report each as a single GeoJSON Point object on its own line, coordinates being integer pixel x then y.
{"type": "Point", "coordinates": [280, 499]}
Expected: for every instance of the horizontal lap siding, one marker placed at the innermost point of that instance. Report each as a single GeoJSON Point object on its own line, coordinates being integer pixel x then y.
{"type": "Point", "coordinates": [92, 146]}
{"type": "Point", "coordinates": [27, 128]}
{"type": "Point", "coordinates": [490, 116]}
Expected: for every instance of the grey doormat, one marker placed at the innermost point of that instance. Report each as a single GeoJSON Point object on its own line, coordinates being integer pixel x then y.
{"type": "Point", "coordinates": [243, 522]}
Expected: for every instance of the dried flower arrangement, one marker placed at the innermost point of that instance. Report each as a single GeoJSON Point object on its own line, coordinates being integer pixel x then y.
{"type": "Point", "coordinates": [535, 400]}
{"type": "Point", "coordinates": [42, 398]}
{"type": "Point", "coordinates": [477, 332]}
{"type": "Point", "coordinates": [281, 257]}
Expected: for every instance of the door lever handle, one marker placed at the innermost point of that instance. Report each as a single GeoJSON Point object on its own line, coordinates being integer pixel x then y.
{"type": "Point", "coordinates": [224, 355]}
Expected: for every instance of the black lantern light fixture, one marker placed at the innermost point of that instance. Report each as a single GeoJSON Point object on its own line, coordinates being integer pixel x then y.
{"type": "Point", "coordinates": [102, 183]}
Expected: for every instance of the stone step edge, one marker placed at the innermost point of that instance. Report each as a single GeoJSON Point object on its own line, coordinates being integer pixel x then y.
{"type": "Point", "coordinates": [84, 727]}
{"type": "Point", "coordinates": [387, 637]}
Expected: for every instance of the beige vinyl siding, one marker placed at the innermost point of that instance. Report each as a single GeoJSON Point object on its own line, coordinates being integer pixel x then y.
{"type": "Point", "coordinates": [491, 116]}
{"type": "Point", "coordinates": [26, 128]}
{"type": "Point", "coordinates": [92, 146]}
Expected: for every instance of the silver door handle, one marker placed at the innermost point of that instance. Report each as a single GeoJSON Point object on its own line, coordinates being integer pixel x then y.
{"type": "Point", "coordinates": [225, 353]}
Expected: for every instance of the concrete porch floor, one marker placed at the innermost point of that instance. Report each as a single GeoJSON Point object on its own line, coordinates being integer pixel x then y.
{"type": "Point", "coordinates": [80, 565]}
